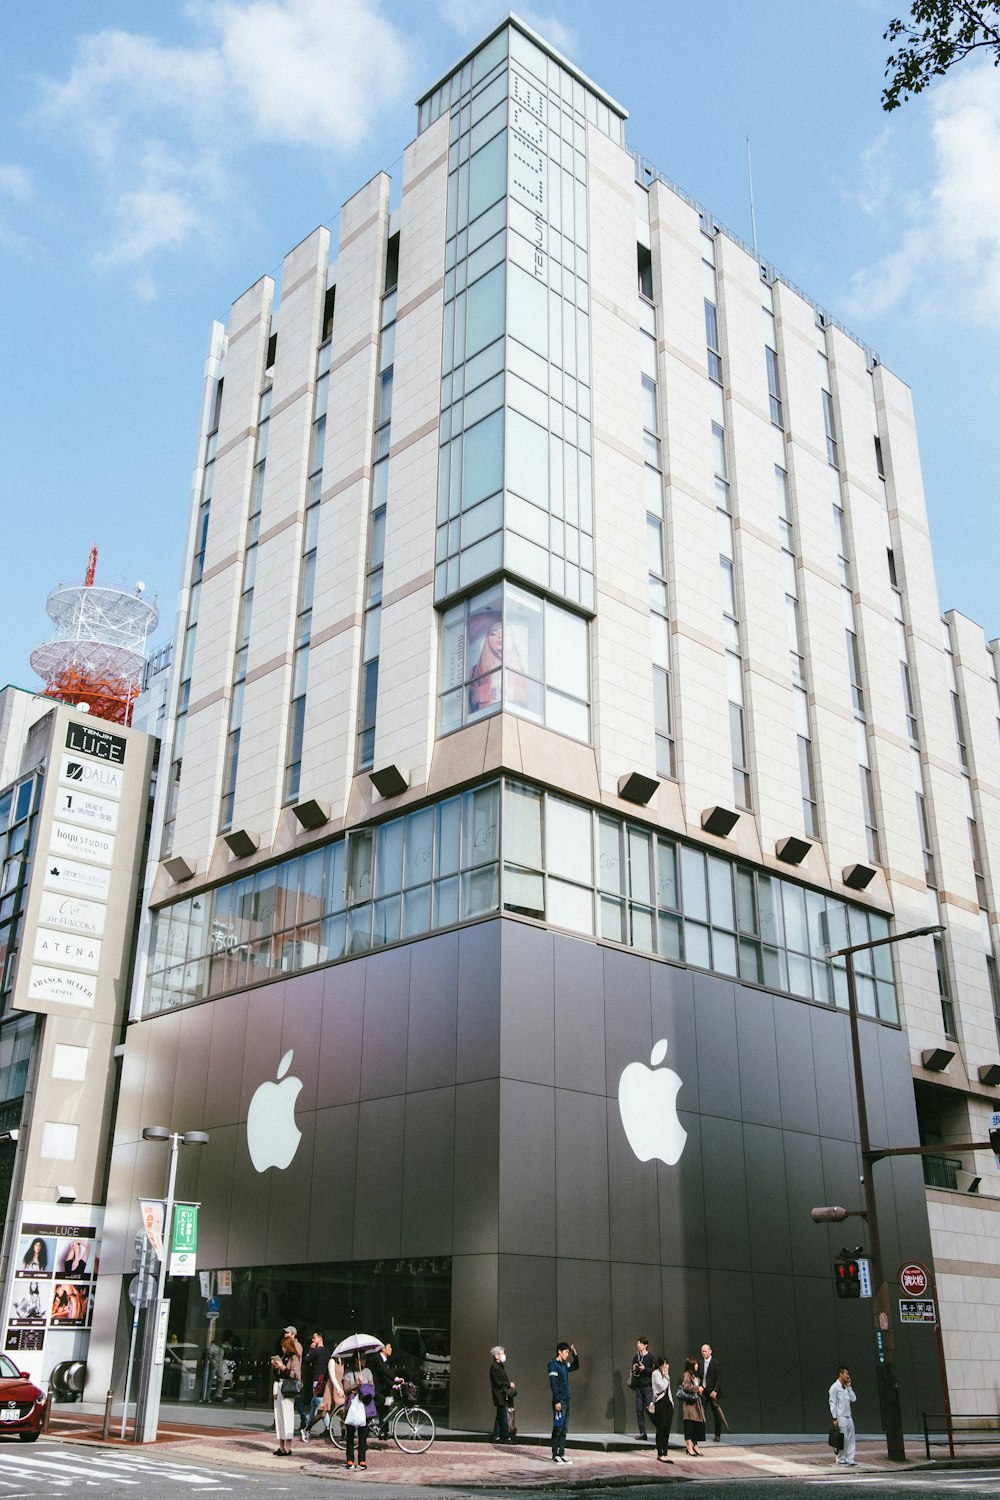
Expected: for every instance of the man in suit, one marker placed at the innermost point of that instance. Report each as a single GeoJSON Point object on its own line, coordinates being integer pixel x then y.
{"type": "Point", "coordinates": [641, 1382]}
{"type": "Point", "coordinates": [713, 1386]}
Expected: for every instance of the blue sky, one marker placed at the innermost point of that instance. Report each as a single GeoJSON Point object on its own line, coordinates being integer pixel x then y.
{"type": "Point", "coordinates": [155, 160]}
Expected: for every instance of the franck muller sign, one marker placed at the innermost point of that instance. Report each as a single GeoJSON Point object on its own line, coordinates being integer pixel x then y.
{"type": "Point", "coordinates": [87, 740]}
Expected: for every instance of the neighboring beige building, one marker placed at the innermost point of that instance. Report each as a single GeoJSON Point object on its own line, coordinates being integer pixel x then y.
{"type": "Point", "coordinates": [546, 477]}
{"type": "Point", "coordinates": [73, 821]}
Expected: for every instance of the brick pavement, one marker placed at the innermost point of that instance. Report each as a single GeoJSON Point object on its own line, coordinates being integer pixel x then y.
{"type": "Point", "coordinates": [480, 1465]}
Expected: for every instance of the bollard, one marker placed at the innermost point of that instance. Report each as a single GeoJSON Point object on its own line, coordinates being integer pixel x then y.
{"type": "Point", "coordinates": [47, 1411]}
{"type": "Point", "coordinates": [106, 1429]}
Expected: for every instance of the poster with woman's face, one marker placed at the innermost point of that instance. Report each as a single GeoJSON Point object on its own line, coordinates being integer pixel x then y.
{"type": "Point", "coordinates": [36, 1256]}
{"type": "Point", "coordinates": [70, 1304]}
{"type": "Point", "coordinates": [75, 1259]}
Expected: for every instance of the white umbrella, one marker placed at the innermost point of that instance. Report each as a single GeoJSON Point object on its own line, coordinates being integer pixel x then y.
{"type": "Point", "coordinates": [358, 1343]}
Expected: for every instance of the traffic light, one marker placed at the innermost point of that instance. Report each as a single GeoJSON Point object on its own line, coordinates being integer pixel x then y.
{"type": "Point", "coordinates": [847, 1277]}
{"type": "Point", "coordinates": [995, 1141]}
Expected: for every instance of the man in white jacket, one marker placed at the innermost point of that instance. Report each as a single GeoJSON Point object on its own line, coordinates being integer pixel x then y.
{"type": "Point", "coordinates": [841, 1400]}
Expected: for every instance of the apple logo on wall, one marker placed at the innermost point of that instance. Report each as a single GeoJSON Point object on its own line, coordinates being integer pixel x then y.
{"type": "Point", "coordinates": [647, 1098]}
{"type": "Point", "coordinates": [272, 1134]}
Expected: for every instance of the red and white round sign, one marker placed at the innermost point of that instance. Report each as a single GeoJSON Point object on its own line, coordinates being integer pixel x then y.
{"type": "Point", "coordinates": [913, 1279]}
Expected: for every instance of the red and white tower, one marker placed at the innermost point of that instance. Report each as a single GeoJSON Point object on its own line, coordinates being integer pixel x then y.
{"type": "Point", "coordinates": [99, 651]}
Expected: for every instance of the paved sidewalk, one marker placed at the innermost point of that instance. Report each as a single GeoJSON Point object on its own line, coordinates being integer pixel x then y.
{"type": "Point", "coordinates": [464, 1461]}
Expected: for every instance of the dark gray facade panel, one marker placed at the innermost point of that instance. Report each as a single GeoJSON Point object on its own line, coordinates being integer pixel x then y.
{"type": "Point", "coordinates": [160, 1077]}
{"type": "Point", "coordinates": [628, 1016]}
{"type": "Point", "coordinates": [383, 1047]}
{"type": "Point", "coordinates": [191, 1083]}
{"type": "Point", "coordinates": [803, 1180]}
{"type": "Point", "coordinates": [477, 1307]}
{"type": "Point", "coordinates": [216, 1168]}
{"type": "Point", "coordinates": [225, 1021]}
{"type": "Point", "coordinates": [433, 1013]}
{"type": "Point", "coordinates": [478, 1036]}
{"type": "Point", "coordinates": [780, 1399]}
{"type": "Point", "coordinates": [379, 1183]}
{"type": "Point", "coordinates": [578, 988]}
{"type": "Point", "coordinates": [301, 1023]}
{"type": "Point", "coordinates": [767, 1199]}
{"type": "Point", "coordinates": [833, 1073]}
{"type": "Point", "coordinates": [796, 1084]}
{"type": "Point", "coordinates": [459, 1099]}
{"type": "Point", "coordinates": [718, 1047]}
{"type": "Point", "coordinates": [632, 1198]}
{"type": "Point", "coordinates": [330, 1226]}
{"type": "Point", "coordinates": [476, 1212]}
{"type": "Point", "coordinates": [428, 1173]}
{"type": "Point", "coordinates": [529, 1328]}
{"type": "Point", "coordinates": [672, 1000]}
{"type": "Point", "coordinates": [342, 1032]}
{"type": "Point", "coordinates": [583, 1317]}
{"type": "Point", "coordinates": [582, 1206]}
{"type": "Point", "coordinates": [681, 1198]}
{"type": "Point", "coordinates": [755, 1039]}
{"type": "Point", "coordinates": [527, 1016]}
{"type": "Point", "coordinates": [262, 1039]}
{"type": "Point", "coordinates": [727, 1192]}
{"type": "Point", "coordinates": [527, 1169]}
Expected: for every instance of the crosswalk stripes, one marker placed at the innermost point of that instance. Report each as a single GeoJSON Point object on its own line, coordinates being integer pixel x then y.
{"type": "Point", "coordinates": [65, 1467]}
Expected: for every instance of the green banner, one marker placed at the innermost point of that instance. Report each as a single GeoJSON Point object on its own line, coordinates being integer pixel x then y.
{"type": "Point", "coordinates": [184, 1239]}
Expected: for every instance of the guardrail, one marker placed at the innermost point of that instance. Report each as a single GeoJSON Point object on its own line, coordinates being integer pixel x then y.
{"type": "Point", "coordinates": [973, 1430]}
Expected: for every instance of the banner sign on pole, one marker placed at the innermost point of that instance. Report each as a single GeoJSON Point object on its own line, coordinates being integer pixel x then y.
{"type": "Point", "coordinates": [152, 1222]}
{"type": "Point", "coordinates": [184, 1240]}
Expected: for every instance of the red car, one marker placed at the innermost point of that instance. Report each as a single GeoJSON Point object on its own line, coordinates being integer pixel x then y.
{"type": "Point", "coordinates": [21, 1403]}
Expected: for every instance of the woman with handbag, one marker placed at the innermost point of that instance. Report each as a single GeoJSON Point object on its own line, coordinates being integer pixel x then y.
{"type": "Point", "coordinates": [287, 1367]}
{"type": "Point", "coordinates": [359, 1393]}
{"type": "Point", "coordinates": [662, 1408]}
{"type": "Point", "coordinates": [692, 1409]}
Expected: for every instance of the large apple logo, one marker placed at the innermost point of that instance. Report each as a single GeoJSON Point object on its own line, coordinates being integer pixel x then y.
{"type": "Point", "coordinates": [272, 1134]}
{"type": "Point", "coordinates": [648, 1104]}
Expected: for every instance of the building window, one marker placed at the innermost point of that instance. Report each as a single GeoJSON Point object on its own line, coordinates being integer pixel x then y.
{"type": "Point", "coordinates": [512, 650]}
{"type": "Point", "coordinates": [944, 990]}
{"type": "Point", "coordinates": [831, 430]}
{"type": "Point", "coordinates": [773, 387]}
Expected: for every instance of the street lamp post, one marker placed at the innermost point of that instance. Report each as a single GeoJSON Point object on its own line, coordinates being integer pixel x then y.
{"type": "Point", "coordinates": [892, 1417]}
{"type": "Point", "coordinates": [151, 1381]}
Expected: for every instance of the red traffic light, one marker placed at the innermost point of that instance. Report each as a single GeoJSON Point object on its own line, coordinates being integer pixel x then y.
{"type": "Point", "coordinates": [847, 1278]}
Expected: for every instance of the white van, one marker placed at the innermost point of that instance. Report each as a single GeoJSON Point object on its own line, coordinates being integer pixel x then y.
{"type": "Point", "coordinates": [424, 1354]}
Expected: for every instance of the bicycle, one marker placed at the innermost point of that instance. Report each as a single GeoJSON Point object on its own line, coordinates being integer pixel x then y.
{"type": "Point", "coordinates": [409, 1426]}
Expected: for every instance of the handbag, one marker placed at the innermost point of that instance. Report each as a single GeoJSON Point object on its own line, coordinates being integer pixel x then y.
{"type": "Point", "coordinates": [836, 1439]}
{"type": "Point", "coordinates": [511, 1422]}
{"type": "Point", "coordinates": [356, 1415]}
{"type": "Point", "coordinates": [290, 1387]}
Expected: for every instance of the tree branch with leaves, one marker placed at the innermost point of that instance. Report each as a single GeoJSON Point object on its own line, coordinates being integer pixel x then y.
{"type": "Point", "coordinates": [936, 34]}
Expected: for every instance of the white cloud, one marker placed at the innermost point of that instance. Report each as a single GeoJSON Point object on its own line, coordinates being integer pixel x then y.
{"type": "Point", "coordinates": [946, 255]}
{"type": "Point", "coordinates": [14, 182]}
{"type": "Point", "coordinates": [164, 126]}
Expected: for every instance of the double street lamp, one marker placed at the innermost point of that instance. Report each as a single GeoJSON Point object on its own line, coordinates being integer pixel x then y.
{"type": "Point", "coordinates": [154, 1338]}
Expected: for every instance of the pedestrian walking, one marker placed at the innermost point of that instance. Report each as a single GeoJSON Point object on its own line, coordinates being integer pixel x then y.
{"type": "Point", "coordinates": [502, 1390]}
{"type": "Point", "coordinates": [842, 1399]}
{"type": "Point", "coordinates": [663, 1408]}
{"type": "Point", "coordinates": [692, 1409]}
{"type": "Point", "coordinates": [314, 1367]}
{"type": "Point", "coordinates": [560, 1369]}
{"type": "Point", "coordinates": [640, 1381]}
{"type": "Point", "coordinates": [287, 1368]}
